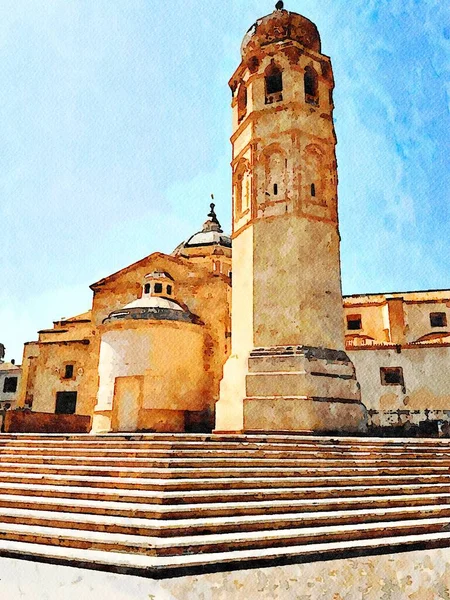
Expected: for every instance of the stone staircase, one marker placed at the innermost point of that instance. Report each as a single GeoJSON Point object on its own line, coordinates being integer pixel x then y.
{"type": "Point", "coordinates": [165, 505]}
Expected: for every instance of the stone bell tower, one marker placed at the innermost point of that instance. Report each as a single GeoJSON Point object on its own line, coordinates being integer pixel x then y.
{"type": "Point", "coordinates": [288, 370]}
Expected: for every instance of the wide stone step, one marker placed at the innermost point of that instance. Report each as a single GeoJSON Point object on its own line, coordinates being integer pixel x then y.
{"type": "Point", "coordinates": [219, 472]}
{"type": "Point", "coordinates": [153, 510]}
{"type": "Point", "coordinates": [119, 461]}
{"type": "Point", "coordinates": [21, 452]}
{"type": "Point", "coordinates": [174, 442]}
{"type": "Point", "coordinates": [205, 483]}
{"type": "Point", "coordinates": [174, 566]}
{"type": "Point", "coordinates": [215, 543]}
{"type": "Point", "coordinates": [190, 527]}
{"type": "Point", "coordinates": [199, 496]}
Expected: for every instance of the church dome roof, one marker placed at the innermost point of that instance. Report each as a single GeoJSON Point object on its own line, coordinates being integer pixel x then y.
{"type": "Point", "coordinates": [154, 302]}
{"type": "Point", "coordinates": [279, 26]}
{"type": "Point", "coordinates": [210, 235]}
{"type": "Point", "coordinates": [152, 308]}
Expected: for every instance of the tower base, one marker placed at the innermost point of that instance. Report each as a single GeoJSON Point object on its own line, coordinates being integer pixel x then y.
{"type": "Point", "coordinates": [300, 389]}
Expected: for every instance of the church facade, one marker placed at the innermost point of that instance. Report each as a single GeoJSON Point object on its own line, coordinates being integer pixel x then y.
{"type": "Point", "coordinates": [173, 343]}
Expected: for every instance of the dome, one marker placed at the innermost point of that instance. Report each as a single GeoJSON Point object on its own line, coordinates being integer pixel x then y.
{"type": "Point", "coordinates": [155, 308]}
{"type": "Point", "coordinates": [210, 235]}
{"type": "Point", "coordinates": [279, 26]}
{"type": "Point", "coordinates": [154, 302]}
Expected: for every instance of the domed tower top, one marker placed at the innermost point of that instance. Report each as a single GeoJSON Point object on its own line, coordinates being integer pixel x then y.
{"type": "Point", "coordinates": [279, 26]}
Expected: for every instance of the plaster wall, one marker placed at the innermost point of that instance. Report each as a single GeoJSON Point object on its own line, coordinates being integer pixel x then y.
{"type": "Point", "coordinates": [10, 397]}
{"type": "Point", "coordinates": [426, 377]}
{"type": "Point", "coordinates": [168, 357]}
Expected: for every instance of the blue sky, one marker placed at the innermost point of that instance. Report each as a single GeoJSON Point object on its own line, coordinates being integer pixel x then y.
{"type": "Point", "coordinates": [114, 129]}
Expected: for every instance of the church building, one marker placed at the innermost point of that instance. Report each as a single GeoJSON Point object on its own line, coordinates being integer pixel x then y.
{"type": "Point", "coordinates": [174, 343]}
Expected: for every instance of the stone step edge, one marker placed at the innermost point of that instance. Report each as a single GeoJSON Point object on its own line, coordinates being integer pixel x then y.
{"type": "Point", "coordinates": [209, 462]}
{"type": "Point", "coordinates": [95, 507]}
{"type": "Point", "coordinates": [30, 490]}
{"type": "Point", "coordinates": [219, 470]}
{"type": "Point", "coordinates": [264, 521]}
{"type": "Point", "coordinates": [220, 437]}
{"type": "Point", "coordinates": [153, 543]}
{"type": "Point", "coordinates": [176, 566]}
{"type": "Point", "coordinates": [265, 482]}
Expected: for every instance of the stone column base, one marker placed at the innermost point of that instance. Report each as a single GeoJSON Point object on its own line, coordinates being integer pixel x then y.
{"type": "Point", "coordinates": [302, 389]}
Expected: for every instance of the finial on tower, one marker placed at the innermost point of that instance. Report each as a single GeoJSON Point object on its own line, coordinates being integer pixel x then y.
{"type": "Point", "coordinates": [213, 223]}
{"type": "Point", "coordinates": [279, 5]}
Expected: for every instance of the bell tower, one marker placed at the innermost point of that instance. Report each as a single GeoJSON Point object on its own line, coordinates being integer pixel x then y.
{"type": "Point", "coordinates": [288, 370]}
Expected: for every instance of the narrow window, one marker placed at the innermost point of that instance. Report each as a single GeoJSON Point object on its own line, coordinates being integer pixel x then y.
{"type": "Point", "coordinates": [392, 376]}
{"type": "Point", "coordinates": [275, 189]}
{"type": "Point", "coordinates": [354, 322]}
{"type": "Point", "coordinates": [147, 288]}
{"type": "Point", "coordinates": [313, 189]}
{"type": "Point", "coordinates": [66, 403]}
{"type": "Point", "coordinates": [68, 372]}
{"type": "Point", "coordinates": [438, 319]}
{"type": "Point", "coordinates": [169, 290]}
{"type": "Point", "coordinates": [10, 385]}
{"type": "Point", "coordinates": [311, 86]}
{"type": "Point", "coordinates": [274, 84]}
{"type": "Point", "coordinates": [242, 101]}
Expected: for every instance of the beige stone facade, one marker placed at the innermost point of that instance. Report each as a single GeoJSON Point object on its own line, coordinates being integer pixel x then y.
{"type": "Point", "coordinates": [148, 355]}
{"type": "Point", "coordinates": [288, 369]}
{"type": "Point", "coordinates": [400, 345]}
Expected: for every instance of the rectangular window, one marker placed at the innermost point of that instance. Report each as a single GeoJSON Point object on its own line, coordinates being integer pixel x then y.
{"type": "Point", "coordinates": [66, 403]}
{"type": "Point", "coordinates": [10, 385]}
{"type": "Point", "coordinates": [438, 319]}
{"type": "Point", "coordinates": [68, 372]}
{"type": "Point", "coordinates": [158, 288]}
{"type": "Point", "coordinates": [392, 376]}
{"type": "Point", "coordinates": [354, 322]}
{"type": "Point", "coordinates": [169, 290]}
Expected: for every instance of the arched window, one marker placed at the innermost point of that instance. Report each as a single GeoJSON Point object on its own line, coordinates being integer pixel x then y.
{"type": "Point", "coordinates": [242, 101]}
{"type": "Point", "coordinates": [275, 172]}
{"type": "Point", "coordinates": [311, 86]}
{"type": "Point", "coordinates": [241, 188]}
{"type": "Point", "coordinates": [274, 84]}
{"type": "Point", "coordinates": [147, 288]}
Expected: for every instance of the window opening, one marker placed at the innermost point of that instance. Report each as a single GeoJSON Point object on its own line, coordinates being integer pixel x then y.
{"type": "Point", "coordinates": [438, 319]}
{"type": "Point", "coordinates": [66, 403]}
{"type": "Point", "coordinates": [354, 322]}
{"type": "Point", "coordinates": [392, 376]}
{"type": "Point", "coordinates": [147, 288]}
{"type": "Point", "coordinates": [311, 81]}
{"type": "Point", "coordinates": [242, 101]}
{"type": "Point", "coordinates": [158, 288]}
{"type": "Point", "coordinates": [10, 385]}
{"type": "Point", "coordinates": [274, 84]}
{"type": "Point", "coordinates": [68, 372]}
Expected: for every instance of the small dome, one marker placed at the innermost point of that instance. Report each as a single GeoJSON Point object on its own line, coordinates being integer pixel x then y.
{"type": "Point", "coordinates": [210, 235]}
{"type": "Point", "coordinates": [153, 308]}
{"type": "Point", "coordinates": [154, 302]}
{"type": "Point", "coordinates": [279, 26]}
